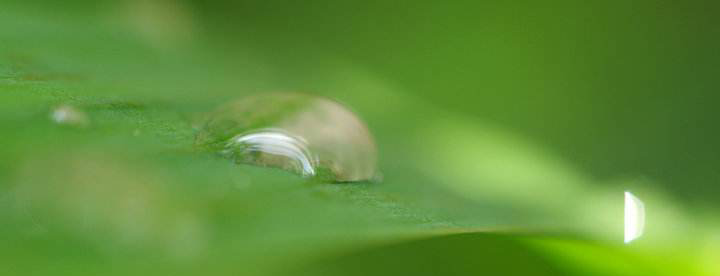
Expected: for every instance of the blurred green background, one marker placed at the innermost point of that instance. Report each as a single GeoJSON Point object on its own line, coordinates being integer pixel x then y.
{"type": "Point", "coordinates": [488, 116]}
{"type": "Point", "coordinates": [619, 88]}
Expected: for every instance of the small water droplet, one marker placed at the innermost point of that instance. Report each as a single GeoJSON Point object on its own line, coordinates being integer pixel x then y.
{"type": "Point", "coordinates": [308, 135]}
{"type": "Point", "coordinates": [634, 217]}
{"type": "Point", "coordinates": [69, 115]}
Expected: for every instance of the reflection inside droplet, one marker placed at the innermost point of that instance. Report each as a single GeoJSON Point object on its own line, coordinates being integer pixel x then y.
{"type": "Point", "coordinates": [272, 148]}
{"type": "Point", "coordinates": [308, 135]}
{"type": "Point", "coordinates": [634, 217]}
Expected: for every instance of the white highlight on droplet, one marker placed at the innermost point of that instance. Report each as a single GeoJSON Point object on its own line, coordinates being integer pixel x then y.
{"type": "Point", "coordinates": [276, 142]}
{"type": "Point", "coordinates": [634, 217]}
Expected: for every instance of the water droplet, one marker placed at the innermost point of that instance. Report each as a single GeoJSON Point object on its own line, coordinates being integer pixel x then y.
{"type": "Point", "coordinates": [69, 115]}
{"type": "Point", "coordinates": [308, 135]}
{"type": "Point", "coordinates": [634, 217]}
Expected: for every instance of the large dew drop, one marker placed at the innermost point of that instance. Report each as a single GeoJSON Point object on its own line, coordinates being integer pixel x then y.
{"type": "Point", "coordinates": [312, 136]}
